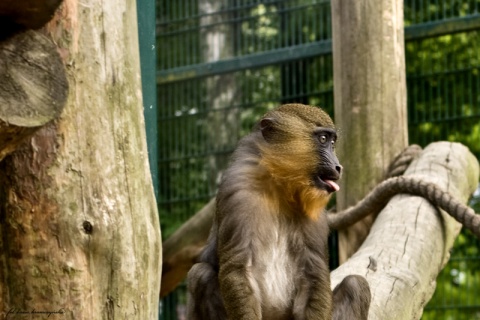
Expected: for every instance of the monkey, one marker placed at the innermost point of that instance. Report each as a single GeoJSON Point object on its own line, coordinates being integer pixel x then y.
{"type": "Point", "coordinates": [351, 298]}
{"type": "Point", "coordinates": [266, 256]}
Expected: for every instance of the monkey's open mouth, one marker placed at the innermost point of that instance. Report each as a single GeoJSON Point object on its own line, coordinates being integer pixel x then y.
{"type": "Point", "coordinates": [328, 184]}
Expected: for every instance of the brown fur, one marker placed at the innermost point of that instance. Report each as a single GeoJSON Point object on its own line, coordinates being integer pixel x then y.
{"type": "Point", "coordinates": [296, 148]}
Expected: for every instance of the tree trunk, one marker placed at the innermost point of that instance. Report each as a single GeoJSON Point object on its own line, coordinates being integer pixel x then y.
{"type": "Point", "coordinates": [79, 227]}
{"type": "Point", "coordinates": [370, 100]}
{"type": "Point", "coordinates": [221, 91]}
{"type": "Point", "coordinates": [409, 242]}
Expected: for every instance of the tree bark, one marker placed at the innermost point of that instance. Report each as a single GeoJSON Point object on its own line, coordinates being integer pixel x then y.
{"type": "Point", "coordinates": [79, 229]}
{"type": "Point", "coordinates": [370, 100]}
{"type": "Point", "coordinates": [410, 240]}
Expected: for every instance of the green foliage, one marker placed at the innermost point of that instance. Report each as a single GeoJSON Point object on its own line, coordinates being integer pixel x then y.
{"type": "Point", "coordinates": [444, 89]}
{"type": "Point", "coordinates": [416, 12]}
{"type": "Point", "coordinates": [457, 296]}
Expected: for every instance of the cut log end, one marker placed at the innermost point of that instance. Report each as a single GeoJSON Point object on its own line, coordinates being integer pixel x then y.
{"type": "Point", "coordinates": [33, 87]}
{"type": "Point", "coordinates": [33, 84]}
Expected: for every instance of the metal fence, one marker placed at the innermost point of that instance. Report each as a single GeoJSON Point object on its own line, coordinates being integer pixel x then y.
{"type": "Point", "coordinates": [223, 63]}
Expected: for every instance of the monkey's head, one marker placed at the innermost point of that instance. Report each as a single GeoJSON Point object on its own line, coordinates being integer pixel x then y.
{"type": "Point", "coordinates": [299, 154]}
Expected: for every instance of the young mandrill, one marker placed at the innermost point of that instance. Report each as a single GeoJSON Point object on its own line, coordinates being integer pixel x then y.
{"type": "Point", "coordinates": [267, 255]}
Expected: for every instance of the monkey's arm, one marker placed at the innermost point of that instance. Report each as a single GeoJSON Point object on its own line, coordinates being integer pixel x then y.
{"type": "Point", "coordinates": [235, 243]}
{"type": "Point", "coordinates": [313, 301]}
{"type": "Point", "coordinates": [205, 301]}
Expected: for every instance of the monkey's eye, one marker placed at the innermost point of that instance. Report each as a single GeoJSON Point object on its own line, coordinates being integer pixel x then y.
{"type": "Point", "coordinates": [322, 139]}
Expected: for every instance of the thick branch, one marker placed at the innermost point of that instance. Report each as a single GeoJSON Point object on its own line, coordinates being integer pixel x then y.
{"type": "Point", "coordinates": [182, 248]}
{"type": "Point", "coordinates": [410, 240]}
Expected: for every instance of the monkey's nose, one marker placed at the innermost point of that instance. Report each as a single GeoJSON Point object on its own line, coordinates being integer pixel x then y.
{"type": "Point", "coordinates": [339, 169]}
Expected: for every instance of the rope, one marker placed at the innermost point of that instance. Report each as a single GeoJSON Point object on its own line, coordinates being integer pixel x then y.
{"type": "Point", "coordinates": [401, 162]}
{"type": "Point", "coordinates": [379, 197]}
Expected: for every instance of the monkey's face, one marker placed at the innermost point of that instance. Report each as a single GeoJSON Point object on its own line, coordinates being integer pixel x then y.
{"type": "Point", "coordinates": [329, 169]}
{"type": "Point", "coordinates": [300, 148]}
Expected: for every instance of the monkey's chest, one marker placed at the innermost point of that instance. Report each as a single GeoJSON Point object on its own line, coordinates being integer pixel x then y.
{"type": "Point", "coordinates": [274, 273]}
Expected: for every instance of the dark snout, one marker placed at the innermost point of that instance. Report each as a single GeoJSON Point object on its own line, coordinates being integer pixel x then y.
{"type": "Point", "coordinates": [329, 171]}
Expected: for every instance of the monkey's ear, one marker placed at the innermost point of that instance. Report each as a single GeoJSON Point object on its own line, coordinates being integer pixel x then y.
{"type": "Point", "coordinates": [267, 126]}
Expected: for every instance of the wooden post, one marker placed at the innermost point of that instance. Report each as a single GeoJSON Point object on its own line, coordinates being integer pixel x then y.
{"type": "Point", "coordinates": [370, 100]}
{"type": "Point", "coordinates": [79, 227]}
